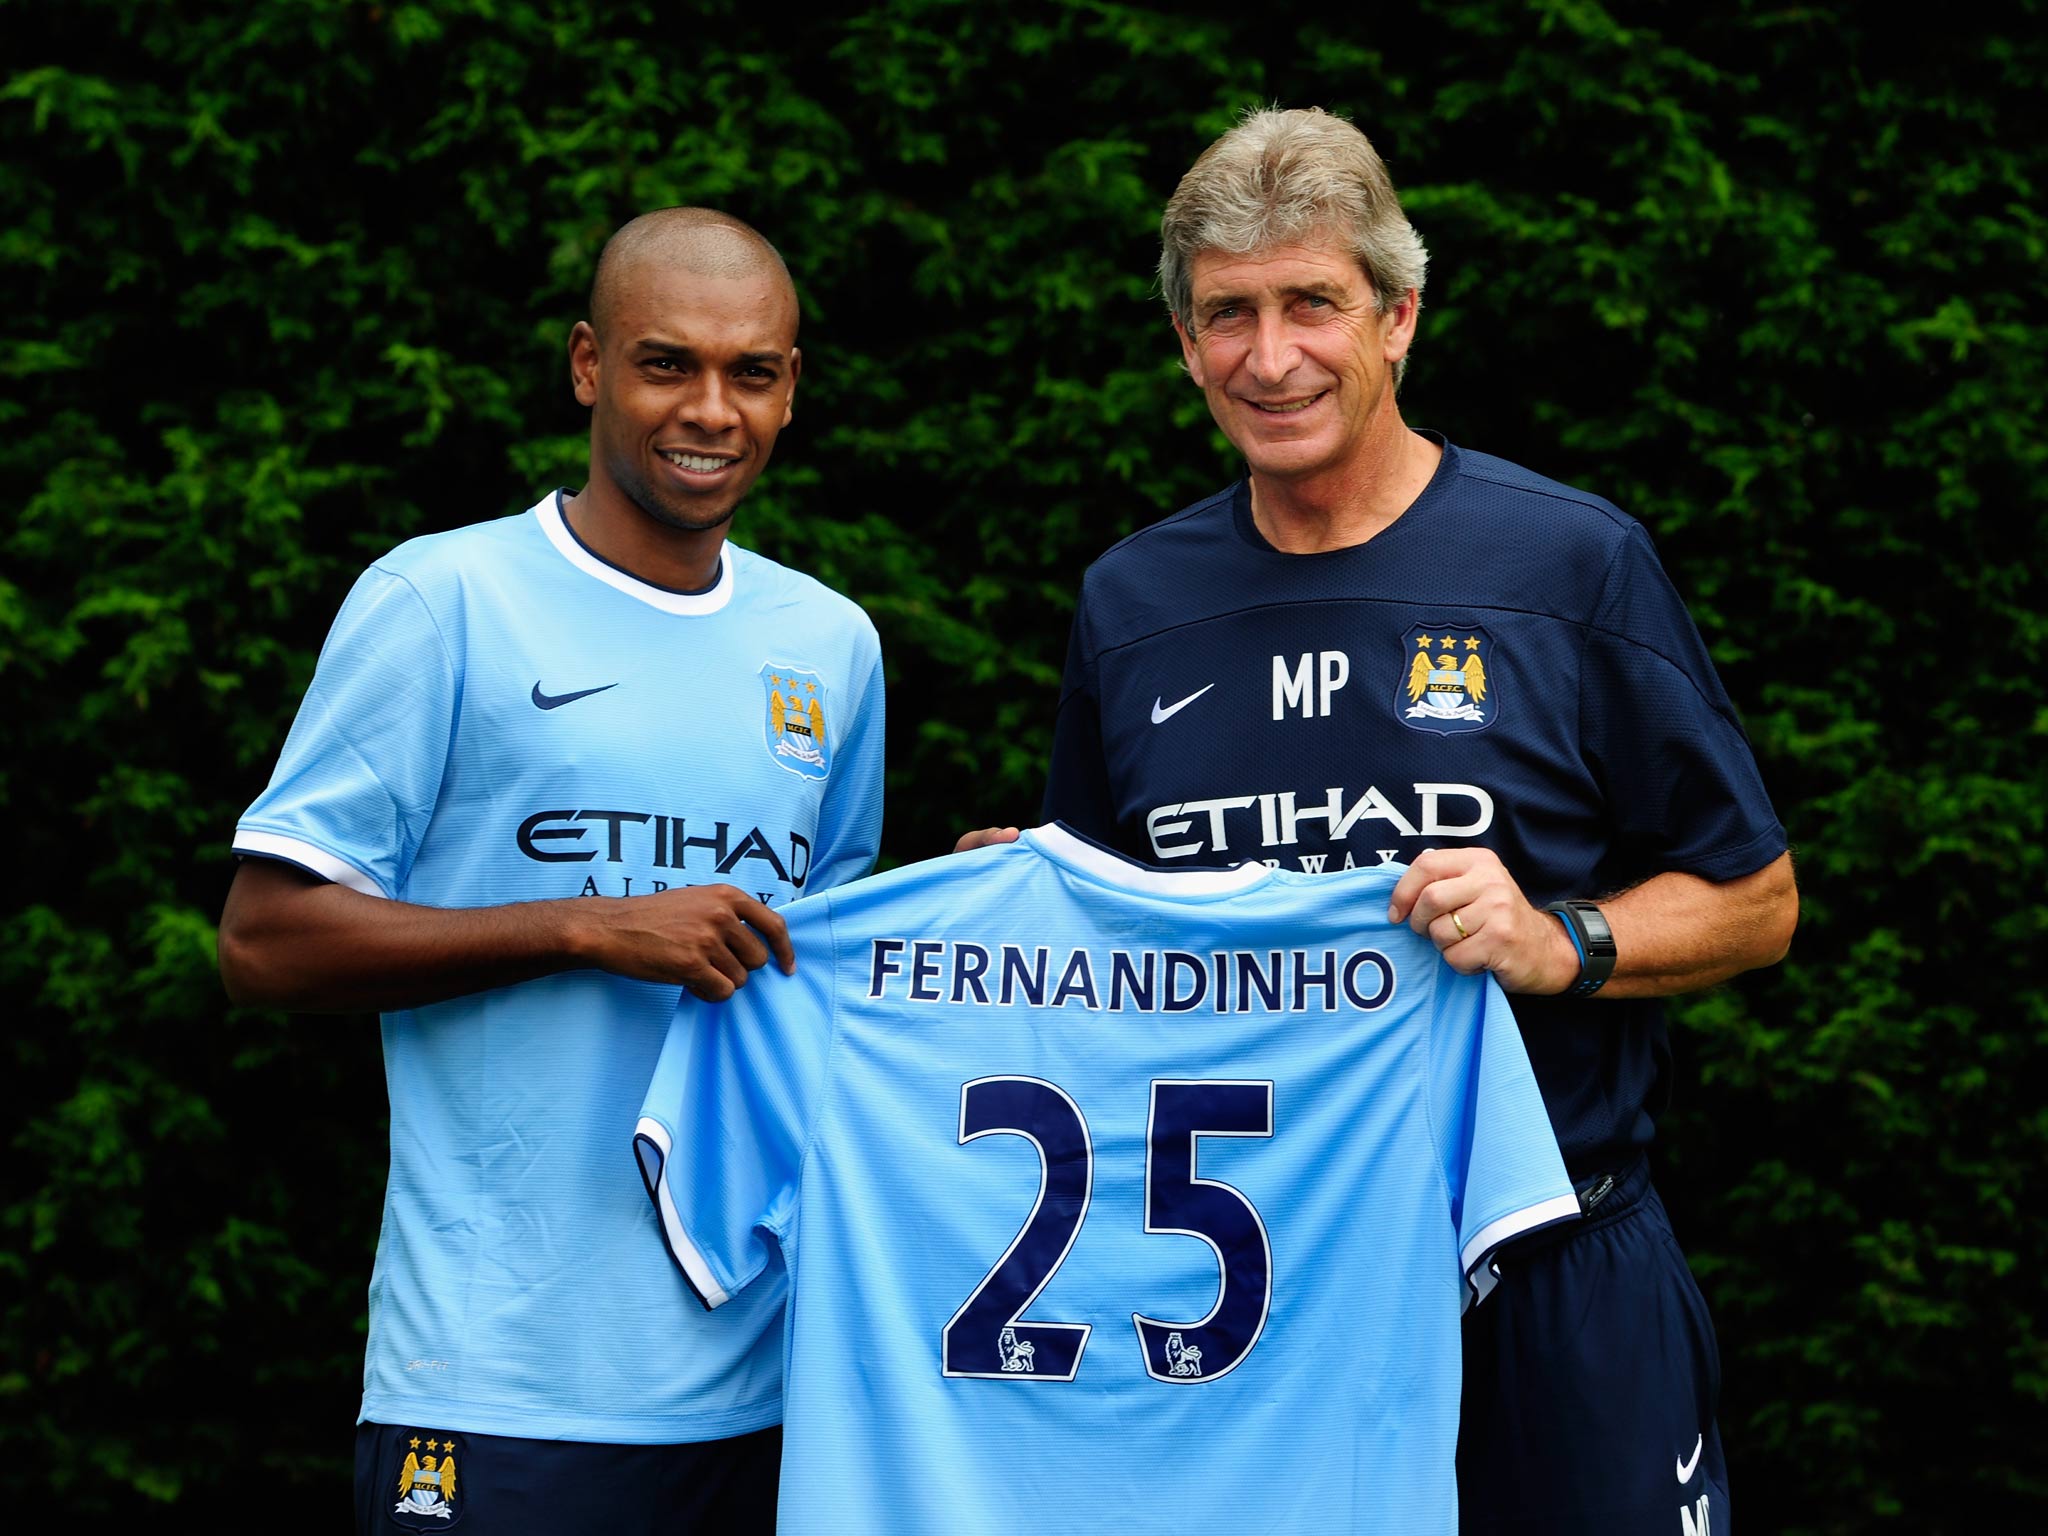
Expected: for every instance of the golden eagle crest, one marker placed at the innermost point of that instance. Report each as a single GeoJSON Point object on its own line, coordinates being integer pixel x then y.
{"type": "Point", "coordinates": [796, 702]}
{"type": "Point", "coordinates": [426, 1484]}
{"type": "Point", "coordinates": [1446, 684]}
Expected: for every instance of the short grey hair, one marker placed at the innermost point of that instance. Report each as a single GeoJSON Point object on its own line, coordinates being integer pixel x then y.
{"type": "Point", "coordinates": [1285, 178]}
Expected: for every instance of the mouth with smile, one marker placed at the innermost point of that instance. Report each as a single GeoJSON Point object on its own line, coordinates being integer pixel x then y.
{"type": "Point", "coordinates": [698, 469]}
{"type": "Point", "coordinates": [1285, 407]}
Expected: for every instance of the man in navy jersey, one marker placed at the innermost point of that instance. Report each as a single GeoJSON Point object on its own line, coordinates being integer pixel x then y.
{"type": "Point", "coordinates": [551, 769]}
{"type": "Point", "coordinates": [1380, 647]}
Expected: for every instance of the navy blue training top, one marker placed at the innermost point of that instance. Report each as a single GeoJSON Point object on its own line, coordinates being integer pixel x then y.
{"type": "Point", "coordinates": [1506, 664]}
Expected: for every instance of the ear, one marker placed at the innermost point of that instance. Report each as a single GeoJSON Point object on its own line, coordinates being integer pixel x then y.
{"type": "Point", "coordinates": [583, 358]}
{"type": "Point", "coordinates": [1399, 323]}
{"type": "Point", "coordinates": [1190, 354]}
{"type": "Point", "coordinates": [796, 370]}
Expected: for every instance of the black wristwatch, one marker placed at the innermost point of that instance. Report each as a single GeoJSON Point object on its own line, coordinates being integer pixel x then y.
{"type": "Point", "coordinates": [1592, 938]}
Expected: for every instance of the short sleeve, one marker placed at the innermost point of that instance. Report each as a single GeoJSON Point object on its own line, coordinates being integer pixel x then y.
{"type": "Point", "coordinates": [1077, 782]}
{"type": "Point", "coordinates": [1500, 1157]}
{"type": "Point", "coordinates": [850, 819]}
{"type": "Point", "coordinates": [729, 1112]}
{"type": "Point", "coordinates": [1659, 731]}
{"type": "Point", "coordinates": [361, 769]}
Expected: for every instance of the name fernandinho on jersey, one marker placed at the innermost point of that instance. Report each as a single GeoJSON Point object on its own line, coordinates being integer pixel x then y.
{"type": "Point", "coordinates": [1277, 817]}
{"type": "Point", "coordinates": [954, 972]}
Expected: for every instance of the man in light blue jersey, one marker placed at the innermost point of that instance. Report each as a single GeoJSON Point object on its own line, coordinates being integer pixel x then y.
{"type": "Point", "coordinates": [1111, 1198]}
{"type": "Point", "coordinates": [552, 769]}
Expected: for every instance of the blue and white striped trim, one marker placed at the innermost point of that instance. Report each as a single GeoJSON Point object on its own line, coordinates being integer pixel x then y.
{"type": "Point", "coordinates": [1479, 1274]}
{"type": "Point", "coordinates": [571, 549]}
{"type": "Point", "coordinates": [318, 861]}
{"type": "Point", "coordinates": [651, 1145]}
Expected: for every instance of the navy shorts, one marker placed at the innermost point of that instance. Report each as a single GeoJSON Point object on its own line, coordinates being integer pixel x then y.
{"type": "Point", "coordinates": [1592, 1382]}
{"type": "Point", "coordinates": [498, 1485]}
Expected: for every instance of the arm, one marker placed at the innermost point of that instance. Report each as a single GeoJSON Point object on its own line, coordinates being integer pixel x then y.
{"type": "Point", "coordinates": [291, 940]}
{"type": "Point", "coordinates": [355, 787]}
{"type": "Point", "coordinates": [1661, 741]}
{"type": "Point", "coordinates": [1673, 933]}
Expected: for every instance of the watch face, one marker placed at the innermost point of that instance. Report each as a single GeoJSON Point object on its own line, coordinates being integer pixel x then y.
{"type": "Point", "coordinates": [1597, 931]}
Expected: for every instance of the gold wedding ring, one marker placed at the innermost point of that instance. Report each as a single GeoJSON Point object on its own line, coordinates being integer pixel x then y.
{"type": "Point", "coordinates": [1459, 926]}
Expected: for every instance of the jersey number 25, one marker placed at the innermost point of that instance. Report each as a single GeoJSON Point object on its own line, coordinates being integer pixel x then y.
{"type": "Point", "coordinates": [989, 1337]}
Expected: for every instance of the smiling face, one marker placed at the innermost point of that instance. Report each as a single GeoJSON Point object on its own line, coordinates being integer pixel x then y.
{"type": "Point", "coordinates": [689, 380]}
{"type": "Point", "coordinates": [1296, 362]}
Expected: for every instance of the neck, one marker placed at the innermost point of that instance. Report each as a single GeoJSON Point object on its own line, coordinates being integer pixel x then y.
{"type": "Point", "coordinates": [1348, 503]}
{"type": "Point", "coordinates": [681, 559]}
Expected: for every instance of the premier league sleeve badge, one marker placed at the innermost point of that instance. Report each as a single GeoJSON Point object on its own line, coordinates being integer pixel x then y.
{"type": "Point", "coordinates": [1449, 680]}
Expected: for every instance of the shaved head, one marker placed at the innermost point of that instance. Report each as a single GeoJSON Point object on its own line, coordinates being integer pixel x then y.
{"type": "Point", "coordinates": [689, 365]}
{"type": "Point", "coordinates": [702, 241]}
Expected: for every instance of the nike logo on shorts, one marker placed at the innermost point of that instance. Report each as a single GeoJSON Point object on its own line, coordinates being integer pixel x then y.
{"type": "Point", "coordinates": [1685, 1468]}
{"type": "Point", "coordinates": [1161, 716]}
{"type": "Point", "coordinates": [556, 701]}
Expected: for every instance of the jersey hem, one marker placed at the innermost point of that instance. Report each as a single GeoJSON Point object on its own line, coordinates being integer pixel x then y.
{"type": "Point", "coordinates": [307, 856]}
{"type": "Point", "coordinates": [477, 1419]}
{"type": "Point", "coordinates": [1489, 1238]}
{"type": "Point", "coordinates": [652, 1144]}
{"type": "Point", "coordinates": [1743, 859]}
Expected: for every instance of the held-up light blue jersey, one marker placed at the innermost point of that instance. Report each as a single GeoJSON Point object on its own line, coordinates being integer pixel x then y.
{"type": "Point", "coordinates": [499, 715]}
{"type": "Point", "coordinates": [1112, 1199]}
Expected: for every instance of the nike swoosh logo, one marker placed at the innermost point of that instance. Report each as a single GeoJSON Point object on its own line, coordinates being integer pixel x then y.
{"type": "Point", "coordinates": [556, 701]}
{"type": "Point", "coordinates": [1160, 716]}
{"type": "Point", "coordinates": [1685, 1468]}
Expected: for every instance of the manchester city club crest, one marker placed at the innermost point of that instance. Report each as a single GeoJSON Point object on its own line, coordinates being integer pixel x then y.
{"type": "Point", "coordinates": [795, 703]}
{"type": "Point", "coordinates": [1450, 680]}
{"type": "Point", "coordinates": [425, 1491]}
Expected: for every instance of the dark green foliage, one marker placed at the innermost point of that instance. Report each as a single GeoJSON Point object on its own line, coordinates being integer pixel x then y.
{"type": "Point", "coordinates": [287, 282]}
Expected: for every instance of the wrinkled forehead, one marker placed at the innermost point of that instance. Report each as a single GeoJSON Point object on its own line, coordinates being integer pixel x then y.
{"type": "Point", "coordinates": [1316, 264]}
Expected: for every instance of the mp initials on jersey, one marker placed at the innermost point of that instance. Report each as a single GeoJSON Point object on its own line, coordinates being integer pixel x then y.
{"type": "Point", "coordinates": [1553, 703]}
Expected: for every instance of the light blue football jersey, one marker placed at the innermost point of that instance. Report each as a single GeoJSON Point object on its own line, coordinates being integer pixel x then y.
{"type": "Point", "coordinates": [499, 715]}
{"type": "Point", "coordinates": [1112, 1199]}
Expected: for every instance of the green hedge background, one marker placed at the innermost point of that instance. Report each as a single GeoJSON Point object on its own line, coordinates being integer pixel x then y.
{"type": "Point", "coordinates": [287, 282]}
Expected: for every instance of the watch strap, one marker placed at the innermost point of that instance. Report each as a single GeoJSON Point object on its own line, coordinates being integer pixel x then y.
{"type": "Point", "coordinates": [1587, 927]}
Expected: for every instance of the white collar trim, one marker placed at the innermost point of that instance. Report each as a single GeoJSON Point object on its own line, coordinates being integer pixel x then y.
{"type": "Point", "coordinates": [1062, 846]}
{"type": "Point", "coordinates": [571, 549]}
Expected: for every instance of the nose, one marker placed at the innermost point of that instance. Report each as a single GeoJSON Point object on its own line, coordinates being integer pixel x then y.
{"type": "Point", "coordinates": [1274, 354]}
{"type": "Point", "coordinates": [710, 408]}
